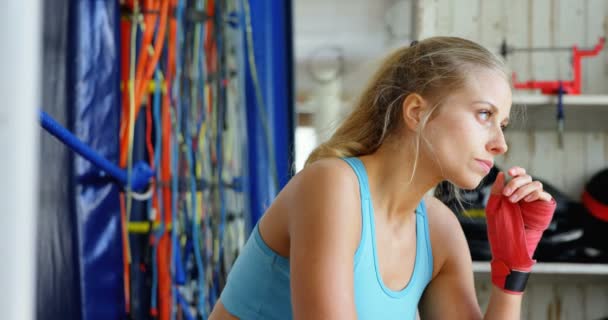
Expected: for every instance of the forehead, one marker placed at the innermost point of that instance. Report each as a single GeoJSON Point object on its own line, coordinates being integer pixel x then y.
{"type": "Point", "coordinates": [491, 86]}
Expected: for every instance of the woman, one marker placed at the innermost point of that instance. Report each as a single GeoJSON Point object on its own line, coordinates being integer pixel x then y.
{"type": "Point", "coordinates": [355, 236]}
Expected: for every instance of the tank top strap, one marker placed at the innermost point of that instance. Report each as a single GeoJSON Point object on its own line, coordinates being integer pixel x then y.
{"type": "Point", "coordinates": [423, 240]}
{"type": "Point", "coordinates": [359, 169]}
{"type": "Point", "coordinates": [421, 208]}
{"type": "Point", "coordinates": [366, 212]}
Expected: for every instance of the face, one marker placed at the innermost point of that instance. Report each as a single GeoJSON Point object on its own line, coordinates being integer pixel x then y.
{"type": "Point", "coordinates": [466, 133]}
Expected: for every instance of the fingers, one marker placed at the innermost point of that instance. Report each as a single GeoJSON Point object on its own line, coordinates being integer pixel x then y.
{"type": "Point", "coordinates": [532, 189]}
{"type": "Point", "coordinates": [516, 183]}
{"type": "Point", "coordinates": [522, 187]}
{"type": "Point", "coordinates": [533, 196]}
{"type": "Point", "coordinates": [499, 184]}
{"type": "Point", "coordinates": [517, 171]}
{"type": "Point", "coordinates": [538, 195]}
{"type": "Point", "coordinates": [544, 196]}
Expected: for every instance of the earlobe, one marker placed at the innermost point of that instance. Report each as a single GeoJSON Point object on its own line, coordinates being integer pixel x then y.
{"type": "Point", "coordinates": [413, 109]}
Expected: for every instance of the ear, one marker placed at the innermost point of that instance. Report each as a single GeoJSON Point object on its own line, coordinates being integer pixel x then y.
{"type": "Point", "coordinates": [413, 108]}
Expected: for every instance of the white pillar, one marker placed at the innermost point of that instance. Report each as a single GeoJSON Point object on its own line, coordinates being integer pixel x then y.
{"type": "Point", "coordinates": [425, 19]}
{"type": "Point", "coordinates": [19, 100]}
{"type": "Point", "coordinates": [327, 104]}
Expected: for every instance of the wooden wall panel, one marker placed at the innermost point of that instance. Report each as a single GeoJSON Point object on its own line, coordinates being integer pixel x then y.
{"type": "Point", "coordinates": [543, 25]}
{"type": "Point", "coordinates": [556, 296]}
{"type": "Point", "coordinates": [595, 70]}
{"type": "Point", "coordinates": [526, 23]}
{"type": "Point", "coordinates": [538, 23]}
{"type": "Point", "coordinates": [568, 168]}
{"type": "Point", "coordinates": [534, 145]}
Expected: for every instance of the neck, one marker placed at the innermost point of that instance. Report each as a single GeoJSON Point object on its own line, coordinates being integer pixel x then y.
{"type": "Point", "coordinates": [395, 191]}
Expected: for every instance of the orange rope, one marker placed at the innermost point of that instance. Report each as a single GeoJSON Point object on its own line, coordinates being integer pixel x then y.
{"type": "Point", "coordinates": [125, 259]}
{"type": "Point", "coordinates": [125, 39]}
{"type": "Point", "coordinates": [164, 252]}
{"type": "Point", "coordinates": [146, 64]}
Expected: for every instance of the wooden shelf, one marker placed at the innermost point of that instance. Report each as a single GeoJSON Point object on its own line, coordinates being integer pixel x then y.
{"type": "Point", "coordinates": [581, 113]}
{"type": "Point", "coordinates": [554, 268]}
{"type": "Point", "coordinates": [568, 100]}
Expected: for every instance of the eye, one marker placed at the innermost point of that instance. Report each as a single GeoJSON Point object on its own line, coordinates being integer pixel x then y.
{"type": "Point", "coordinates": [485, 114]}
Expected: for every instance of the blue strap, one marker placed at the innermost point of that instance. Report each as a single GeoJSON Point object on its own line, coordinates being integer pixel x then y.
{"type": "Point", "coordinates": [359, 169]}
{"type": "Point", "coordinates": [141, 171]}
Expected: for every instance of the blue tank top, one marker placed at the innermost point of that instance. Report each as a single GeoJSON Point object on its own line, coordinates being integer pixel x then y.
{"type": "Point", "coordinates": [258, 285]}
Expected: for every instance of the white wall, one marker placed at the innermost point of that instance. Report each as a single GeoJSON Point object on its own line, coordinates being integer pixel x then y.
{"type": "Point", "coordinates": [543, 23]}
{"type": "Point", "coordinates": [358, 26]}
{"type": "Point", "coordinates": [526, 23]}
{"type": "Point", "coordinates": [20, 92]}
{"type": "Point", "coordinates": [538, 23]}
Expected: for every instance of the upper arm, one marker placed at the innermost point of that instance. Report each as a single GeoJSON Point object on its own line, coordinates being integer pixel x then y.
{"type": "Point", "coordinates": [324, 231]}
{"type": "Point", "coordinates": [451, 292]}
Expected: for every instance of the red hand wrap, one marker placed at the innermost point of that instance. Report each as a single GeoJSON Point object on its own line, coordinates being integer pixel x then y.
{"type": "Point", "coordinates": [514, 230]}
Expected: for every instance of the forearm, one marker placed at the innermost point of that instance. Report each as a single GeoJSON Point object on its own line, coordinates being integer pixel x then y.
{"type": "Point", "coordinates": [514, 230]}
{"type": "Point", "coordinates": [503, 305]}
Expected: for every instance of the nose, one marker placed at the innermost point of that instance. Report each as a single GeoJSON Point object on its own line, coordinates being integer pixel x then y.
{"type": "Point", "coordinates": [497, 145]}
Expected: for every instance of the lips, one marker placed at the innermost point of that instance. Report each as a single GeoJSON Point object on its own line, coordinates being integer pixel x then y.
{"type": "Point", "coordinates": [485, 164]}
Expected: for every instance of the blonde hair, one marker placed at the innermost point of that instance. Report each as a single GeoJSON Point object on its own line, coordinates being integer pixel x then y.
{"type": "Point", "coordinates": [432, 68]}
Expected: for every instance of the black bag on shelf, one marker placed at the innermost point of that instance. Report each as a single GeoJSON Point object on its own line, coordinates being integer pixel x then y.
{"type": "Point", "coordinates": [594, 212]}
{"type": "Point", "coordinates": [560, 242]}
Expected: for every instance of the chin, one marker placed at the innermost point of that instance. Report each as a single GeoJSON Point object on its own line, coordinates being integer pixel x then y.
{"type": "Point", "coordinates": [468, 182]}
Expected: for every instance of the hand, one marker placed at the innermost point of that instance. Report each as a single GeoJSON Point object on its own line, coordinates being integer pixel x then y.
{"type": "Point", "coordinates": [537, 206]}
{"type": "Point", "coordinates": [515, 227]}
{"type": "Point", "coordinates": [521, 187]}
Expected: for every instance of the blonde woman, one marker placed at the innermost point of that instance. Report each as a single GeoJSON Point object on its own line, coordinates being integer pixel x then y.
{"type": "Point", "coordinates": [353, 236]}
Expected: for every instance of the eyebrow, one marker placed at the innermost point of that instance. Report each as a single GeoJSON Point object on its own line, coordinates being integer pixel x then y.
{"type": "Point", "coordinates": [493, 107]}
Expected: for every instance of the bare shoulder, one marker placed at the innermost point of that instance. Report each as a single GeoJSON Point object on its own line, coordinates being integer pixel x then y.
{"type": "Point", "coordinates": [326, 172]}
{"type": "Point", "coordinates": [324, 230]}
{"type": "Point", "coordinates": [322, 195]}
{"type": "Point", "coordinates": [325, 191]}
{"type": "Point", "coordinates": [323, 180]}
{"type": "Point", "coordinates": [447, 237]}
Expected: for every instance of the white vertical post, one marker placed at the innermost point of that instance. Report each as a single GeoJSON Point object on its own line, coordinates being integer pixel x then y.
{"type": "Point", "coordinates": [328, 108]}
{"type": "Point", "coordinates": [19, 101]}
{"type": "Point", "coordinates": [425, 19]}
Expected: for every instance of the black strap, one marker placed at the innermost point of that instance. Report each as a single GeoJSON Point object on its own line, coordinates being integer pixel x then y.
{"type": "Point", "coordinates": [516, 281]}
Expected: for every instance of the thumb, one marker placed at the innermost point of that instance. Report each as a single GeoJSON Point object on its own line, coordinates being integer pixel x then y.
{"type": "Point", "coordinates": [499, 184]}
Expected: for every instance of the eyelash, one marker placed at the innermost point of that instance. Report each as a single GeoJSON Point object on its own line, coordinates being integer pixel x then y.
{"type": "Point", "coordinates": [490, 113]}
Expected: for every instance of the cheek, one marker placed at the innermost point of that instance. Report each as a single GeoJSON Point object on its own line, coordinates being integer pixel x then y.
{"type": "Point", "coordinates": [444, 148]}
{"type": "Point", "coordinates": [453, 142]}
{"type": "Point", "coordinates": [452, 134]}
{"type": "Point", "coordinates": [469, 133]}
